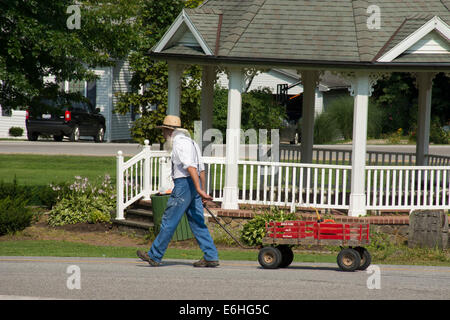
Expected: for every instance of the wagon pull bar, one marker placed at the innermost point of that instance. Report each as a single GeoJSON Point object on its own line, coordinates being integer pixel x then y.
{"type": "Point", "coordinates": [226, 230]}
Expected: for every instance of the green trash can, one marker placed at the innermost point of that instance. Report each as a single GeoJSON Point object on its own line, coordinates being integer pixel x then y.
{"type": "Point", "coordinates": [159, 203]}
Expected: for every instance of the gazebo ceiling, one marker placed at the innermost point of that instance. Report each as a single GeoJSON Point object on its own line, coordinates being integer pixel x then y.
{"type": "Point", "coordinates": [409, 34]}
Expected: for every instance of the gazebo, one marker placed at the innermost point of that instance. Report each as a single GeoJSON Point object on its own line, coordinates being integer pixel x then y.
{"type": "Point", "coordinates": [361, 41]}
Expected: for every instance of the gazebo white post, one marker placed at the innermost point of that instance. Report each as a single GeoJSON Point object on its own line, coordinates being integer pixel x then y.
{"type": "Point", "coordinates": [207, 98]}
{"type": "Point", "coordinates": [361, 89]}
{"type": "Point", "coordinates": [230, 192]}
{"type": "Point", "coordinates": [174, 89]}
{"type": "Point", "coordinates": [309, 81]}
{"type": "Point", "coordinates": [424, 82]}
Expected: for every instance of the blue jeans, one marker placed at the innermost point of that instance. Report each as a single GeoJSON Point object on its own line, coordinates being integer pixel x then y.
{"type": "Point", "coordinates": [184, 198]}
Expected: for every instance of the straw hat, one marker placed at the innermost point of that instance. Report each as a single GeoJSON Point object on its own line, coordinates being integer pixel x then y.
{"type": "Point", "coordinates": [171, 122]}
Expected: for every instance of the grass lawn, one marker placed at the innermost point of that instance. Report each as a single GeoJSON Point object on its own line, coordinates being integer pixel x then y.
{"type": "Point", "coordinates": [40, 170]}
{"type": "Point", "coordinates": [73, 249]}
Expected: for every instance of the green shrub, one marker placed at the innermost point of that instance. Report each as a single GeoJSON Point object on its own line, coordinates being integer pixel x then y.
{"type": "Point", "coordinates": [79, 209]}
{"type": "Point", "coordinates": [325, 129]}
{"type": "Point", "coordinates": [15, 132]}
{"type": "Point", "coordinates": [254, 230]}
{"type": "Point", "coordinates": [83, 202]}
{"type": "Point", "coordinates": [14, 190]}
{"type": "Point", "coordinates": [14, 215]}
{"type": "Point", "coordinates": [341, 112]}
{"type": "Point", "coordinates": [395, 137]}
{"type": "Point", "coordinates": [437, 134]}
{"type": "Point", "coordinates": [49, 195]}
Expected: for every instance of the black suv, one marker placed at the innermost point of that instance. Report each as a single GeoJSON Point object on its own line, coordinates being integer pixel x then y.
{"type": "Point", "coordinates": [64, 116]}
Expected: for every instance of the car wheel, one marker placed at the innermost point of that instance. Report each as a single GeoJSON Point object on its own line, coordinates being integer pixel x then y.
{"type": "Point", "coordinates": [58, 137]}
{"type": "Point", "coordinates": [32, 136]}
{"type": "Point", "coordinates": [75, 135]}
{"type": "Point", "coordinates": [100, 136]}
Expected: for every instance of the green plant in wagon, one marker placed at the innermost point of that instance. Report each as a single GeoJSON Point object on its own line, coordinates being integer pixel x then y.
{"type": "Point", "coordinates": [255, 229]}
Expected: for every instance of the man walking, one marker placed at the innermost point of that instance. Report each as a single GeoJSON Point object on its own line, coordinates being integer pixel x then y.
{"type": "Point", "coordinates": [188, 195]}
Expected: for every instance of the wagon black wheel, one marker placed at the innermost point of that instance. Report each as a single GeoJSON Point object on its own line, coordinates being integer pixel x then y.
{"type": "Point", "coordinates": [269, 257]}
{"type": "Point", "coordinates": [366, 258]}
{"type": "Point", "coordinates": [287, 256]}
{"type": "Point", "coordinates": [348, 259]}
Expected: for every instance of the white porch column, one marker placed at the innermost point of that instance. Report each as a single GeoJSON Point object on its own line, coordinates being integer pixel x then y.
{"type": "Point", "coordinates": [174, 89]}
{"type": "Point", "coordinates": [207, 98]}
{"type": "Point", "coordinates": [424, 82]}
{"type": "Point", "coordinates": [230, 193]}
{"type": "Point", "coordinates": [362, 89]}
{"type": "Point", "coordinates": [309, 81]}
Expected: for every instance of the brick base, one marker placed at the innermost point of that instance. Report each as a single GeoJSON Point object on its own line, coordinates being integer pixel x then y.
{"type": "Point", "coordinates": [401, 219]}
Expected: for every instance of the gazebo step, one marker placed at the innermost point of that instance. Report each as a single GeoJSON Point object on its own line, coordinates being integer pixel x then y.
{"type": "Point", "coordinates": [138, 227]}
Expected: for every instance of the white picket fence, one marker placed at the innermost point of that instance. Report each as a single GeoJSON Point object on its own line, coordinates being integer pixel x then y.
{"type": "Point", "coordinates": [408, 187]}
{"type": "Point", "coordinates": [293, 185]}
{"type": "Point", "coordinates": [340, 156]}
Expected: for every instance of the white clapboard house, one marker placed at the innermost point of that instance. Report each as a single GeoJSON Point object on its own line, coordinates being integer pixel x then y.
{"type": "Point", "coordinates": [101, 92]}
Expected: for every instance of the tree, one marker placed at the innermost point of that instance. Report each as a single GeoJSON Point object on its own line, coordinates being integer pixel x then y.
{"type": "Point", "coordinates": [152, 76]}
{"type": "Point", "coordinates": [397, 96]}
{"type": "Point", "coordinates": [41, 38]}
{"type": "Point", "coordinates": [259, 110]}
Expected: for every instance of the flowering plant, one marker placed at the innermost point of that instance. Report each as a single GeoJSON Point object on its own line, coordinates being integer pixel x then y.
{"type": "Point", "coordinates": [83, 201]}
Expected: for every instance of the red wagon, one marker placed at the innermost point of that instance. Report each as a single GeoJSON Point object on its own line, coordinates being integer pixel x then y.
{"type": "Point", "coordinates": [282, 236]}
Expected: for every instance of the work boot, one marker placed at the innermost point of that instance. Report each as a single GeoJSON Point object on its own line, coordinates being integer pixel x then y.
{"type": "Point", "coordinates": [204, 263]}
{"type": "Point", "coordinates": [145, 257]}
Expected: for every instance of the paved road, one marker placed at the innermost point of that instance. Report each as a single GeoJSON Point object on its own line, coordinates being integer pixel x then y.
{"type": "Point", "coordinates": [86, 148]}
{"type": "Point", "coordinates": [105, 278]}
{"type": "Point", "coordinates": [130, 149]}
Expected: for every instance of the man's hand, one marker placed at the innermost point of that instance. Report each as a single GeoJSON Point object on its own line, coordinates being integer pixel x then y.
{"type": "Point", "coordinates": [205, 197]}
{"type": "Point", "coordinates": [194, 175]}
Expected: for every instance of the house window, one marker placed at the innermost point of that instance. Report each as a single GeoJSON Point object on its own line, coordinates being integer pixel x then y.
{"type": "Point", "coordinates": [77, 86]}
{"type": "Point", "coordinates": [87, 88]}
{"type": "Point", "coordinates": [91, 92]}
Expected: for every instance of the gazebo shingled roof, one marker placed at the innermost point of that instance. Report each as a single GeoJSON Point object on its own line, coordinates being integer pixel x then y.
{"type": "Point", "coordinates": [310, 37]}
{"type": "Point", "coordinates": [322, 31]}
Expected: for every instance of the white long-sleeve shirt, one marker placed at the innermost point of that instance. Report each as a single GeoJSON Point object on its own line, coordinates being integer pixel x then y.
{"type": "Point", "coordinates": [185, 153]}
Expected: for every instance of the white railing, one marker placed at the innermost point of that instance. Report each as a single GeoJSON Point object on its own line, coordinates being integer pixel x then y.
{"type": "Point", "coordinates": [137, 178]}
{"type": "Point", "coordinates": [373, 158]}
{"type": "Point", "coordinates": [407, 187]}
{"type": "Point", "coordinates": [294, 184]}
{"type": "Point", "coordinates": [390, 158]}
{"type": "Point", "coordinates": [436, 160]}
{"type": "Point", "coordinates": [215, 176]}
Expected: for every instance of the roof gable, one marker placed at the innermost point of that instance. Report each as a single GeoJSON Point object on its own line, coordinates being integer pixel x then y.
{"type": "Point", "coordinates": [183, 33]}
{"type": "Point", "coordinates": [433, 37]}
